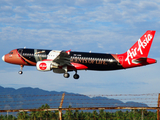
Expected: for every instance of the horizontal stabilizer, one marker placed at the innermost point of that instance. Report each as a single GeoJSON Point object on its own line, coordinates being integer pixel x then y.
{"type": "Point", "coordinates": [139, 60]}
{"type": "Point", "coordinates": [144, 60]}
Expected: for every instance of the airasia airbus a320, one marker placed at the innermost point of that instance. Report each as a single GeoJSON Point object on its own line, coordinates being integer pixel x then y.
{"type": "Point", "coordinates": [66, 61]}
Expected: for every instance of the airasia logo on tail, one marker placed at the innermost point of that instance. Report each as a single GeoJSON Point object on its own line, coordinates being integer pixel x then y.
{"type": "Point", "coordinates": [131, 53]}
{"type": "Point", "coordinates": [43, 66]}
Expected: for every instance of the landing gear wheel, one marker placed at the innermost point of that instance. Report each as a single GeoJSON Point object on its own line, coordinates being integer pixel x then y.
{"type": "Point", "coordinates": [20, 72]}
{"type": "Point", "coordinates": [76, 76]}
{"type": "Point", "coordinates": [66, 75]}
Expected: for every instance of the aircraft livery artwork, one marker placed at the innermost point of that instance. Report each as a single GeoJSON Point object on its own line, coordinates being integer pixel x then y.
{"type": "Point", "coordinates": [65, 61]}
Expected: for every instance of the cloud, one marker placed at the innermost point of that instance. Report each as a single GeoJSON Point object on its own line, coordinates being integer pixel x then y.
{"type": "Point", "coordinates": [61, 12]}
{"type": "Point", "coordinates": [12, 3]}
{"type": "Point", "coordinates": [40, 15]}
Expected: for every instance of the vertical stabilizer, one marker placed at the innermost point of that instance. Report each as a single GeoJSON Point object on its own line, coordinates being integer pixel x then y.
{"type": "Point", "coordinates": [139, 51]}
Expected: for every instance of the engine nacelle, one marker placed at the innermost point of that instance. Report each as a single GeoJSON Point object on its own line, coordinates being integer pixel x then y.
{"type": "Point", "coordinates": [56, 70]}
{"type": "Point", "coordinates": [44, 65]}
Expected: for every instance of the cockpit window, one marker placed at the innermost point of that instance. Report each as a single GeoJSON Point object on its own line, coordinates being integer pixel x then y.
{"type": "Point", "coordinates": [10, 52]}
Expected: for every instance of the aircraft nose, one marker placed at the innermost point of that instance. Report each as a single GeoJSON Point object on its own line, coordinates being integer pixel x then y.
{"type": "Point", "coordinates": [3, 58]}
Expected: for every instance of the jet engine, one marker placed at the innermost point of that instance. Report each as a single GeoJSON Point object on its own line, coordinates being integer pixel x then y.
{"type": "Point", "coordinates": [44, 65]}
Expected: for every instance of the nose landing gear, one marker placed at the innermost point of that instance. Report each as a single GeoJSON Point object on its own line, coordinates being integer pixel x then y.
{"type": "Point", "coordinates": [21, 72]}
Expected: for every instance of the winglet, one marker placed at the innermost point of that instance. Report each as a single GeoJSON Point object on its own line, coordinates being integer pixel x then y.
{"type": "Point", "coordinates": [68, 52]}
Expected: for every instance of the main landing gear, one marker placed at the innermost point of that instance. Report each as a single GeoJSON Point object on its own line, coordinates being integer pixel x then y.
{"type": "Point", "coordinates": [21, 72]}
{"type": "Point", "coordinates": [76, 76]}
{"type": "Point", "coordinates": [66, 74]}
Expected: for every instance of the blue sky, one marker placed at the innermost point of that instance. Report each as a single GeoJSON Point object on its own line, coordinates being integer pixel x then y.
{"type": "Point", "coordinates": [105, 26]}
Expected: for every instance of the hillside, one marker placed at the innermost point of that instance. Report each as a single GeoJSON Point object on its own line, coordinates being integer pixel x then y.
{"type": "Point", "coordinates": [28, 98]}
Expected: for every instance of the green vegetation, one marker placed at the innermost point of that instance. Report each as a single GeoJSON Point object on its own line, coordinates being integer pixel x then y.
{"type": "Point", "coordinates": [81, 115]}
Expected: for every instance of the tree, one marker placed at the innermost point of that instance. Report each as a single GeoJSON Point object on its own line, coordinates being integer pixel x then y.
{"type": "Point", "coordinates": [23, 115]}
{"type": "Point", "coordinates": [39, 114]}
{"type": "Point", "coordinates": [54, 115]}
{"type": "Point", "coordinates": [1, 117]}
{"type": "Point", "coordinates": [119, 115]}
{"type": "Point", "coordinates": [82, 115]}
{"type": "Point", "coordinates": [6, 117]}
{"type": "Point", "coordinates": [76, 115]}
{"type": "Point", "coordinates": [33, 115]}
{"type": "Point", "coordinates": [11, 117]}
{"type": "Point", "coordinates": [68, 115]}
{"type": "Point", "coordinates": [95, 115]}
{"type": "Point", "coordinates": [46, 114]}
{"type": "Point", "coordinates": [102, 115]}
{"type": "Point", "coordinates": [87, 116]}
{"type": "Point", "coordinates": [108, 115]}
{"type": "Point", "coordinates": [43, 114]}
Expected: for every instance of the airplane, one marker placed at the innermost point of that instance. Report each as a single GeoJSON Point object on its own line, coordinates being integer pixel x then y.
{"type": "Point", "coordinates": [66, 61]}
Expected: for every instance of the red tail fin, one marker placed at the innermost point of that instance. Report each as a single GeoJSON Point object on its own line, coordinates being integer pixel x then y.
{"type": "Point", "coordinates": [139, 50]}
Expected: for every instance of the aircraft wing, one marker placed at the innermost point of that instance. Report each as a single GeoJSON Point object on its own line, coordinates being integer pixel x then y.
{"type": "Point", "coordinates": [63, 59]}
